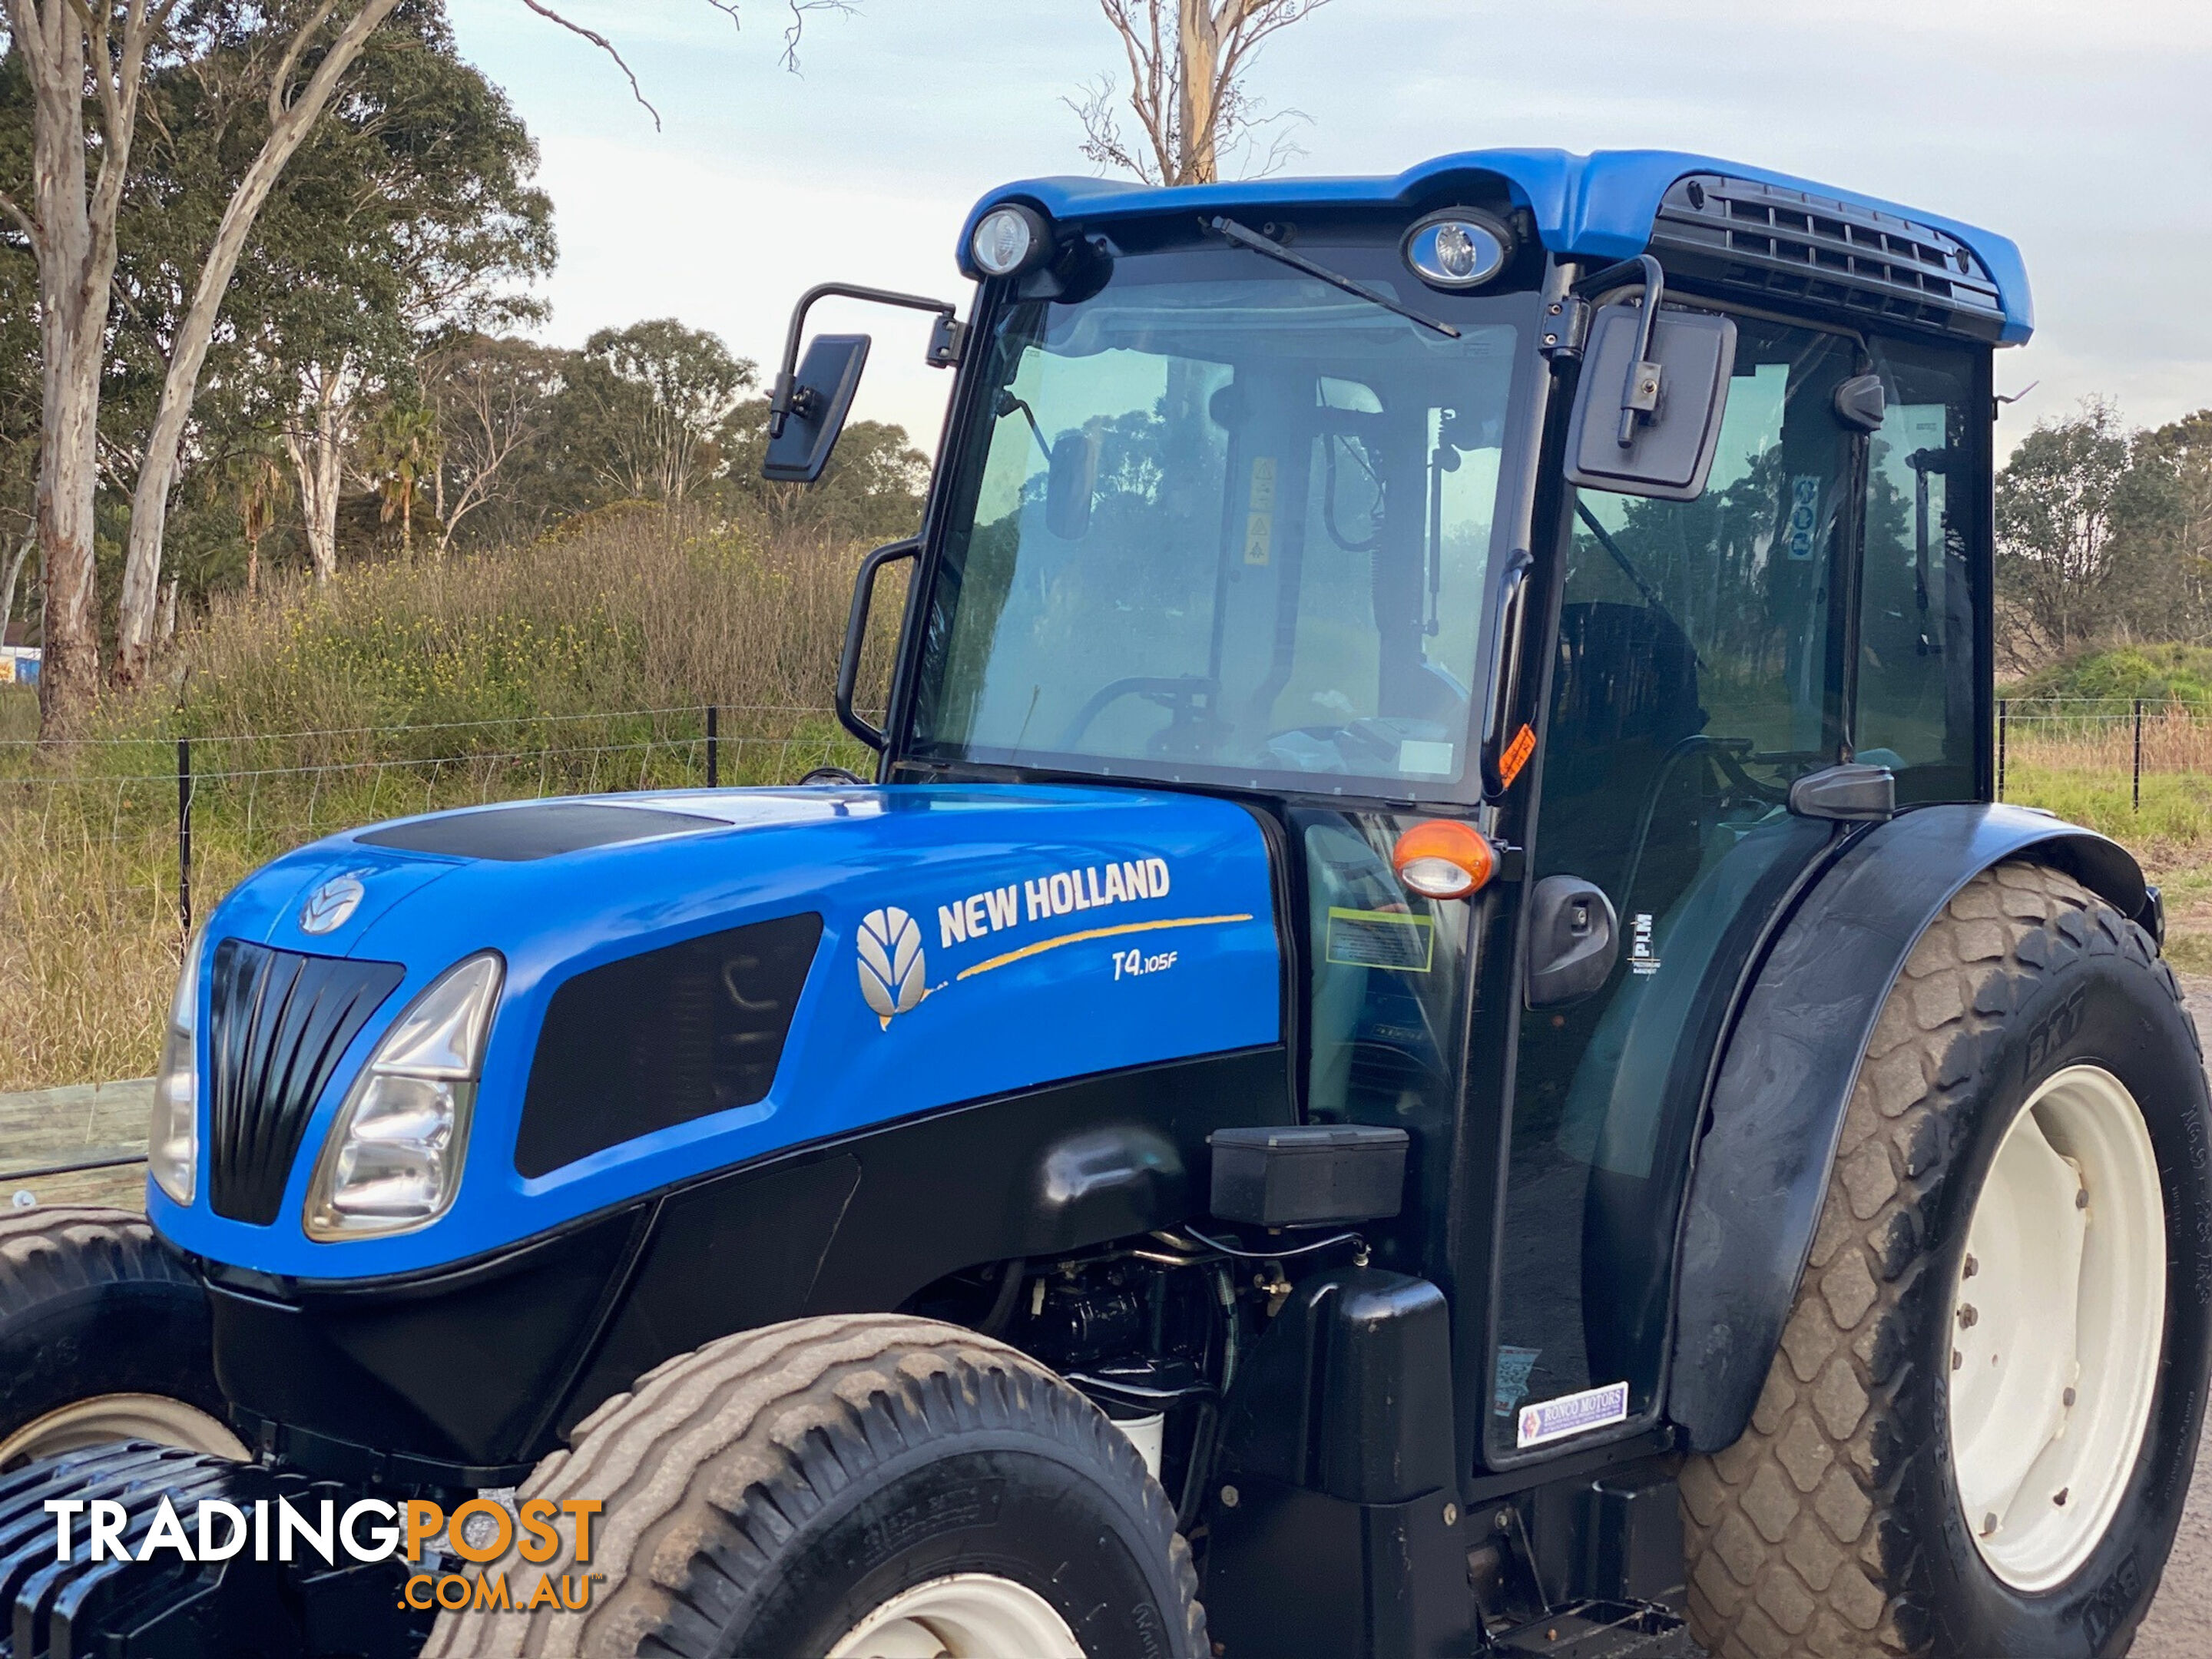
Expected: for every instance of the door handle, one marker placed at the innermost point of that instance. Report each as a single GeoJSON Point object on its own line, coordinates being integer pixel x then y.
{"type": "Point", "coordinates": [1574, 938]}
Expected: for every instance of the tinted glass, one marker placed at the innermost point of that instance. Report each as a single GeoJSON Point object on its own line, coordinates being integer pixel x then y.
{"type": "Point", "coordinates": [1917, 670]}
{"type": "Point", "coordinates": [1696, 674]}
{"type": "Point", "coordinates": [1223, 523]}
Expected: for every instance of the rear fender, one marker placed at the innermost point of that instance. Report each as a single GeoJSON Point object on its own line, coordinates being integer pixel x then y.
{"type": "Point", "coordinates": [1762, 1164]}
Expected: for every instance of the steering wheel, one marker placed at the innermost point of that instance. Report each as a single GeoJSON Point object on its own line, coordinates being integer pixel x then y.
{"type": "Point", "coordinates": [1180, 694]}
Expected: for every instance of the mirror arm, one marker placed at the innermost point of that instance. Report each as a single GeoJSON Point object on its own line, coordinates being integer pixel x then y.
{"type": "Point", "coordinates": [946, 340]}
{"type": "Point", "coordinates": [1641, 394]}
{"type": "Point", "coordinates": [856, 631]}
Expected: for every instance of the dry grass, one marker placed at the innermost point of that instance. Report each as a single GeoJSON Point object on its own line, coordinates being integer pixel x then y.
{"type": "Point", "coordinates": [396, 689]}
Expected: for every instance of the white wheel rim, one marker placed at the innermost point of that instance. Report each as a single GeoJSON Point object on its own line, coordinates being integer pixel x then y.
{"type": "Point", "coordinates": [965, 1615]}
{"type": "Point", "coordinates": [2057, 1318]}
{"type": "Point", "coordinates": [106, 1417]}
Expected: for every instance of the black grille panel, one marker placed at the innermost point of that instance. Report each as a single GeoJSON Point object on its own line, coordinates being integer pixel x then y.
{"type": "Point", "coordinates": [661, 1038]}
{"type": "Point", "coordinates": [1791, 245]}
{"type": "Point", "coordinates": [278, 1021]}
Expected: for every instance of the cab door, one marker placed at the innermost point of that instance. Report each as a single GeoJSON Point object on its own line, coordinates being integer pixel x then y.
{"type": "Point", "coordinates": [1695, 668]}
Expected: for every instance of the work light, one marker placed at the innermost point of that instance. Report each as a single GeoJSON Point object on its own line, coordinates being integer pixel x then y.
{"type": "Point", "coordinates": [172, 1140]}
{"type": "Point", "coordinates": [1458, 249]}
{"type": "Point", "coordinates": [1008, 239]}
{"type": "Point", "coordinates": [393, 1159]}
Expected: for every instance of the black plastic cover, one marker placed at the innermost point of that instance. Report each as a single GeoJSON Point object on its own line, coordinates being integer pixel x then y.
{"type": "Point", "coordinates": [517, 834]}
{"type": "Point", "coordinates": [661, 1038]}
{"type": "Point", "coordinates": [279, 1023]}
{"type": "Point", "coordinates": [1308, 1175]}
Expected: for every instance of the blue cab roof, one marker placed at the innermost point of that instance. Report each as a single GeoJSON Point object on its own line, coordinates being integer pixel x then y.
{"type": "Point", "coordinates": [1599, 206]}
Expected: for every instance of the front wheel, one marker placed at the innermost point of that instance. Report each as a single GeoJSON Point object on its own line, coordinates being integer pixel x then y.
{"type": "Point", "coordinates": [1978, 1435]}
{"type": "Point", "coordinates": [865, 1486]}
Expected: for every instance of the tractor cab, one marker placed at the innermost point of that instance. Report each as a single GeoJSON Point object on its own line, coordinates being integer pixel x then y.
{"type": "Point", "coordinates": [1416, 513]}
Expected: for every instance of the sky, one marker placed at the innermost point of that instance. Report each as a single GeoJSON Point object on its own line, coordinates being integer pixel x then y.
{"type": "Point", "coordinates": [2080, 128]}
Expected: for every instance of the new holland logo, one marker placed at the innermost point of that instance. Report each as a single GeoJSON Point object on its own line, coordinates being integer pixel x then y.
{"type": "Point", "coordinates": [893, 975]}
{"type": "Point", "coordinates": [329, 905]}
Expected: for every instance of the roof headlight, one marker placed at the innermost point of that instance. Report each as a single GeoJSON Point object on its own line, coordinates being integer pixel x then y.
{"type": "Point", "coordinates": [392, 1162]}
{"type": "Point", "coordinates": [1009, 240]}
{"type": "Point", "coordinates": [1459, 249]}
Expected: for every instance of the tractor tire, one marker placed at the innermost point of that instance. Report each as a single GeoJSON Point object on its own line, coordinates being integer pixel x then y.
{"type": "Point", "coordinates": [103, 1336]}
{"type": "Point", "coordinates": [849, 1484]}
{"type": "Point", "coordinates": [1838, 1526]}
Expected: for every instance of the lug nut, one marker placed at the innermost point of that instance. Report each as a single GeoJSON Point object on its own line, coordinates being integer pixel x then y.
{"type": "Point", "coordinates": [2069, 1397]}
{"type": "Point", "coordinates": [2082, 1198]}
{"type": "Point", "coordinates": [1229, 1497]}
{"type": "Point", "coordinates": [2059, 1496]}
{"type": "Point", "coordinates": [1972, 1266]}
{"type": "Point", "coordinates": [1967, 1316]}
{"type": "Point", "coordinates": [1988, 1525]}
{"type": "Point", "coordinates": [1957, 1359]}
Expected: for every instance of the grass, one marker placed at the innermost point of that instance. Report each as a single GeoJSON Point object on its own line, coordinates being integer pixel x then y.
{"type": "Point", "coordinates": [395, 689]}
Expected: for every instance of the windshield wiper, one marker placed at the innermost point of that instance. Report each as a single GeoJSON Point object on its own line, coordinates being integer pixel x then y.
{"type": "Point", "coordinates": [1237, 234]}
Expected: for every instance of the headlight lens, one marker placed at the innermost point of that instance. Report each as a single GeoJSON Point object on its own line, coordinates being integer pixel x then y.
{"type": "Point", "coordinates": [173, 1139]}
{"type": "Point", "coordinates": [1006, 239]}
{"type": "Point", "coordinates": [393, 1159]}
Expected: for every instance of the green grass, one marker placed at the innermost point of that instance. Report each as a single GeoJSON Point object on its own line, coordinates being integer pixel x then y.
{"type": "Point", "coordinates": [396, 689]}
{"type": "Point", "coordinates": [2156, 673]}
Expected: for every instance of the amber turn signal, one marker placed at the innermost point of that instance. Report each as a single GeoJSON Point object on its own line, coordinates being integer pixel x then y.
{"type": "Point", "coordinates": [1444, 859]}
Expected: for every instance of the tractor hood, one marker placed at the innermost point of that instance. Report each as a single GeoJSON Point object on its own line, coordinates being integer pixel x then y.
{"type": "Point", "coordinates": [728, 974]}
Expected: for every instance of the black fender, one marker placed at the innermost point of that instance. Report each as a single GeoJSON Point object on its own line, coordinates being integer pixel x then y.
{"type": "Point", "coordinates": [1761, 1167]}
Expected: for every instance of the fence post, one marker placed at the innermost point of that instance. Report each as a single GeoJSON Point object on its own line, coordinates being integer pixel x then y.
{"type": "Point", "coordinates": [2138, 779]}
{"type": "Point", "coordinates": [184, 834]}
{"type": "Point", "coordinates": [714, 747]}
{"type": "Point", "coordinates": [2004, 709]}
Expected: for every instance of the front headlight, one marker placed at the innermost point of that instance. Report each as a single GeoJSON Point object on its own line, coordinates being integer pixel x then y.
{"type": "Point", "coordinates": [173, 1139]}
{"type": "Point", "coordinates": [392, 1162]}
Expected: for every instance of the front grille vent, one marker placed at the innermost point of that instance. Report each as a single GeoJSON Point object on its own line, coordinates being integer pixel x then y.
{"type": "Point", "coordinates": [278, 1022]}
{"type": "Point", "coordinates": [1792, 244]}
{"type": "Point", "coordinates": [662, 1038]}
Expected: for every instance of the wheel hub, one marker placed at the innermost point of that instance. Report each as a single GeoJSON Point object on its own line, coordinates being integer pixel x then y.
{"type": "Point", "coordinates": [106, 1417]}
{"type": "Point", "coordinates": [964, 1616]}
{"type": "Point", "coordinates": [2056, 1317]}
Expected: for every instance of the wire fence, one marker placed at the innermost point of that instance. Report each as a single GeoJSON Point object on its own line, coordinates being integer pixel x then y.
{"type": "Point", "coordinates": [219, 804]}
{"type": "Point", "coordinates": [2102, 738]}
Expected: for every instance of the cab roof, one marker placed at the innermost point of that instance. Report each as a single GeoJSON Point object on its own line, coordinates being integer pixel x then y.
{"type": "Point", "coordinates": [1601, 206]}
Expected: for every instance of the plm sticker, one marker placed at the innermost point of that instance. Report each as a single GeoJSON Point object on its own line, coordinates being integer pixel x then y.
{"type": "Point", "coordinates": [1575, 1414]}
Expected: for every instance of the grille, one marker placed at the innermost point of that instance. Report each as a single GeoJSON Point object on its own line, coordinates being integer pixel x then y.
{"type": "Point", "coordinates": [662, 1038]}
{"type": "Point", "coordinates": [1792, 244]}
{"type": "Point", "coordinates": [278, 1022]}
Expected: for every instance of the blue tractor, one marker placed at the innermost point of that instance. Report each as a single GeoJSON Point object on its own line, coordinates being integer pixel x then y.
{"type": "Point", "coordinates": [1429, 1041]}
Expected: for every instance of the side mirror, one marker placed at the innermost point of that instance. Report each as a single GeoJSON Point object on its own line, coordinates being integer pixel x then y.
{"type": "Point", "coordinates": [806, 416]}
{"type": "Point", "coordinates": [1071, 480]}
{"type": "Point", "coordinates": [1647, 414]}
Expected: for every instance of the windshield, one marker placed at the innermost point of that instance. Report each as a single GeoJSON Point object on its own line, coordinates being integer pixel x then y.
{"type": "Point", "coordinates": [1225, 522]}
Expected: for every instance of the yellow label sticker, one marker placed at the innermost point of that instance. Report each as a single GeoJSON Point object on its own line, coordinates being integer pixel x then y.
{"type": "Point", "coordinates": [1259, 534]}
{"type": "Point", "coordinates": [1263, 484]}
{"type": "Point", "coordinates": [1381, 938]}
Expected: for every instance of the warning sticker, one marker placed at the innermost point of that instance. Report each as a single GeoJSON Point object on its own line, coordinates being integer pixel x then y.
{"type": "Point", "coordinates": [1574, 1413]}
{"type": "Point", "coordinates": [1804, 514]}
{"type": "Point", "coordinates": [1381, 938]}
{"type": "Point", "coordinates": [1516, 756]}
{"type": "Point", "coordinates": [1260, 520]}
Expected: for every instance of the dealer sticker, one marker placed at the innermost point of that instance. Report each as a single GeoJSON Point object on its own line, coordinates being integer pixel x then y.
{"type": "Point", "coordinates": [1575, 1414]}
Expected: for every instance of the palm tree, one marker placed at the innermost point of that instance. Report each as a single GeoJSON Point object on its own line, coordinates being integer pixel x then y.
{"type": "Point", "coordinates": [399, 450]}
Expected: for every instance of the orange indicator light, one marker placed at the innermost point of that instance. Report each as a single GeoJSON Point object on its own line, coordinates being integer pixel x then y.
{"type": "Point", "coordinates": [1444, 859]}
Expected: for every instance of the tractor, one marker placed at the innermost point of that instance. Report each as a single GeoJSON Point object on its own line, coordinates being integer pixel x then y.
{"type": "Point", "coordinates": [1430, 1040]}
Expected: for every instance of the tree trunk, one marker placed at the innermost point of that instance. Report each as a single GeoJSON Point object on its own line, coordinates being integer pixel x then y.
{"type": "Point", "coordinates": [253, 566]}
{"type": "Point", "coordinates": [167, 627]}
{"type": "Point", "coordinates": [157, 473]}
{"type": "Point", "coordinates": [1199, 38]}
{"type": "Point", "coordinates": [317, 453]}
{"type": "Point", "coordinates": [8, 583]}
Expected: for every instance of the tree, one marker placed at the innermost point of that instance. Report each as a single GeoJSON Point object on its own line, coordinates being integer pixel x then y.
{"type": "Point", "coordinates": [1188, 59]}
{"type": "Point", "coordinates": [872, 489]}
{"type": "Point", "coordinates": [2054, 524]}
{"type": "Point", "coordinates": [399, 450]}
{"type": "Point", "coordinates": [645, 408]}
{"type": "Point", "coordinates": [86, 64]}
{"type": "Point", "coordinates": [495, 402]}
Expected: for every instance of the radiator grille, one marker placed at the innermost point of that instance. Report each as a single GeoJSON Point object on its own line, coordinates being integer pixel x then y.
{"type": "Point", "coordinates": [1790, 244]}
{"type": "Point", "coordinates": [278, 1022]}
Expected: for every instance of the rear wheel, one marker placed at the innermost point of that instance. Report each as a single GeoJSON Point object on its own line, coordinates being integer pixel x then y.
{"type": "Point", "coordinates": [1978, 1433]}
{"type": "Point", "coordinates": [870, 1487]}
{"type": "Point", "coordinates": [103, 1336]}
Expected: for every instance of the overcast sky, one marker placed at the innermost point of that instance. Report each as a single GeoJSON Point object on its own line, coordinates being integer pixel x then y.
{"type": "Point", "coordinates": [2080, 128]}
